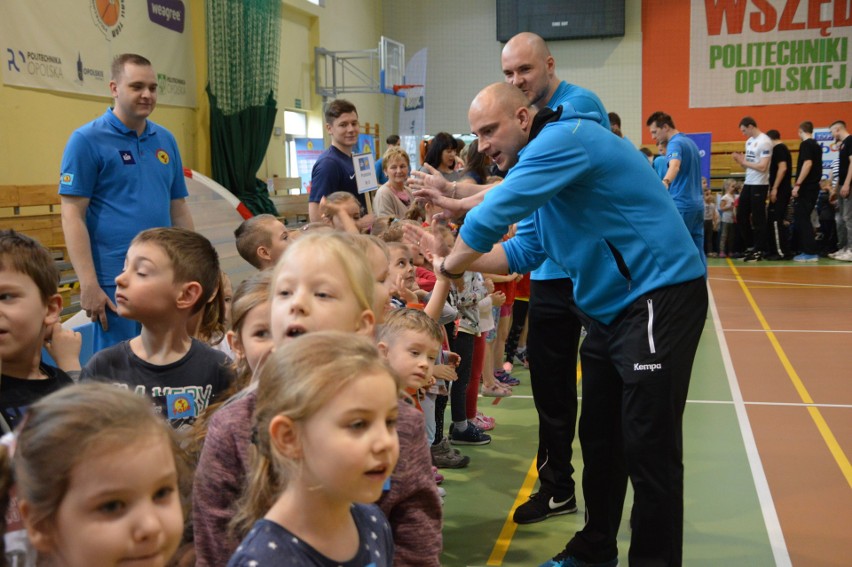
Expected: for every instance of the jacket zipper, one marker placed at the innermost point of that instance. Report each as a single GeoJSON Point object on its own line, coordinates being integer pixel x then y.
{"type": "Point", "coordinates": [651, 345]}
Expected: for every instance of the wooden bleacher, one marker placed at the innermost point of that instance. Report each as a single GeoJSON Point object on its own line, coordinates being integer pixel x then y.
{"type": "Point", "coordinates": [34, 210]}
{"type": "Point", "coordinates": [291, 204]}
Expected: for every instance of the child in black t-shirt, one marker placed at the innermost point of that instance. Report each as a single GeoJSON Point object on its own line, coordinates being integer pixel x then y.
{"type": "Point", "coordinates": [169, 275]}
{"type": "Point", "coordinates": [29, 320]}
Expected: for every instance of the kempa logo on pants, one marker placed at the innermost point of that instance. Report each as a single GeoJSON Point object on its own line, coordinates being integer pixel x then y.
{"type": "Point", "coordinates": [652, 367]}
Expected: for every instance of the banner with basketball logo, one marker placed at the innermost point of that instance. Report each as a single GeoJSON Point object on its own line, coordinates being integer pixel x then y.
{"type": "Point", "coordinates": [68, 46]}
{"type": "Point", "coordinates": [769, 52]}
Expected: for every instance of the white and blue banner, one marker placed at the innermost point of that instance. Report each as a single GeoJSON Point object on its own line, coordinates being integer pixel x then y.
{"type": "Point", "coordinates": [830, 152]}
{"type": "Point", "coordinates": [308, 151]}
{"type": "Point", "coordinates": [704, 142]}
{"type": "Point", "coordinates": [412, 108]}
{"type": "Point", "coordinates": [68, 46]}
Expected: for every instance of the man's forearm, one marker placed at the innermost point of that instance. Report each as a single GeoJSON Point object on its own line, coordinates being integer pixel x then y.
{"type": "Point", "coordinates": [671, 172]}
{"type": "Point", "coordinates": [464, 258]}
{"type": "Point", "coordinates": [466, 189]}
{"type": "Point", "coordinates": [803, 174]}
{"type": "Point", "coordinates": [779, 177]}
{"type": "Point", "coordinates": [760, 166]}
{"type": "Point", "coordinates": [181, 215]}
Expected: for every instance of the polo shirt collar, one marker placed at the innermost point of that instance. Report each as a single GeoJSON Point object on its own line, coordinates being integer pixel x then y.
{"type": "Point", "coordinates": [150, 128]}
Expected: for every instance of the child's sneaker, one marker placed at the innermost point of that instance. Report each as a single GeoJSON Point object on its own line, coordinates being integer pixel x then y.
{"type": "Point", "coordinates": [445, 457]}
{"type": "Point", "coordinates": [439, 478]}
{"type": "Point", "coordinates": [505, 378]}
{"type": "Point", "coordinates": [483, 422]}
{"type": "Point", "coordinates": [472, 435]}
{"type": "Point", "coordinates": [485, 418]}
{"type": "Point", "coordinates": [521, 355]}
{"type": "Point", "coordinates": [495, 391]}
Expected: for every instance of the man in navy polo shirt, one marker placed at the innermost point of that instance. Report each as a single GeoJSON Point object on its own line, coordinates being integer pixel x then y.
{"type": "Point", "coordinates": [334, 170]}
{"type": "Point", "coordinates": [121, 174]}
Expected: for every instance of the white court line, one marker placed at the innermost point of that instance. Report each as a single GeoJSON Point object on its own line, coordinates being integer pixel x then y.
{"type": "Point", "coordinates": [785, 284]}
{"type": "Point", "coordinates": [724, 403]}
{"type": "Point", "coordinates": [767, 506]}
{"type": "Point", "coordinates": [772, 404]}
{"type": "Point", "coordinates": [784, 331]}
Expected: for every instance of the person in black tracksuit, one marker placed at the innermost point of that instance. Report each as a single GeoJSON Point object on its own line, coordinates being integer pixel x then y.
{"type": "Point", "coordinates": [806, 191]}
{"type": "Point", "coordinates": [780, 189]}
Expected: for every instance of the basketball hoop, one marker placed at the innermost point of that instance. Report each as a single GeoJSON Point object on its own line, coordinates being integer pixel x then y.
{"type": "Point", "coordinates": [397, 88]}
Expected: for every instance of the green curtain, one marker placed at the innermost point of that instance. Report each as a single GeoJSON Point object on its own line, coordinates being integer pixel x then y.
{"type": "Point", "coordinates": [243, 40]}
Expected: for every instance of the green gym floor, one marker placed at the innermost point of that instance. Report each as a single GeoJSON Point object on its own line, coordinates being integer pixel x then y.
{"type": "Point", "coordinates": [767, 434]}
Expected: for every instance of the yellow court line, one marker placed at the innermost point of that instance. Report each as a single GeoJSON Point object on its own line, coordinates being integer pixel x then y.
{"type": "Point", "coordinates": [816, 416]}
{"type": "Point", "coordinates": [504, 540]}
{"type": "Point", "coordinates": [790, 286]}
{"type": "Point", "coordinates": [501, 546]}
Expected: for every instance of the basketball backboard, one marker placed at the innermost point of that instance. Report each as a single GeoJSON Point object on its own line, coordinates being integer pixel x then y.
{"type": "Point", "coordinates": [392, 72]}
{"type": "Point", "coordinates": [364, 71]}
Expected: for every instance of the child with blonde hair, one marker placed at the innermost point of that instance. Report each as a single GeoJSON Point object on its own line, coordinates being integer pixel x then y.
{"type": "Point", "coordinates": [341, 210]}
{"type": "Point", "coordinates": [378, 257]}
{"type": "Point", "coordinates": [249, 337]}
{"type": "Point", "coordinates": [326, 443]}
{"type": "Point", "coordinates": [251, 341]}
{"type": "Point", "coordinates": [335, 266]}
{"type": "Point", "coordinates": [323, 282]}
{"type": "Point", "coordinates": [726, 205]}
{"type": "Point", "coordinates": [97, 477]}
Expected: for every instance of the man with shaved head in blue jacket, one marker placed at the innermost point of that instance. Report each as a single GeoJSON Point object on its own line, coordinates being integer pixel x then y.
{"type": "Point", "coordinates": [638, 278]}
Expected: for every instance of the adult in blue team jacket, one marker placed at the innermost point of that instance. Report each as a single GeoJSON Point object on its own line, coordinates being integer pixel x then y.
{"type": "Point", "coordinates": [638, 277]}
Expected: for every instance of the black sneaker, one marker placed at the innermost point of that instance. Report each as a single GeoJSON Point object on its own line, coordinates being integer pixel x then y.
{"type": "Point", "coordinates": [542, 506]}
{"type": "Point", "coordinates": [756, 256]}
{"type": "Point", "coordinates": [470, 436]}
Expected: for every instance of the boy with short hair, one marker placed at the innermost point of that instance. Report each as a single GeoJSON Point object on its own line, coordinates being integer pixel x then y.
{"type": "Point", "coordinates": [169, 274]}
{"type": "Point", "coordinates": [334, 170]}
{"type": "Point", "coordinates": [261, 240]}
{"type": "Point", "coordinates": [411, 341]}
{"type": "Point", "coordinates": [29, 319]}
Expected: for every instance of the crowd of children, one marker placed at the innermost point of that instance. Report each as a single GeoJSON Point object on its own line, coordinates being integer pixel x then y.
{"type": "Point", "coordinates": [301, 414]}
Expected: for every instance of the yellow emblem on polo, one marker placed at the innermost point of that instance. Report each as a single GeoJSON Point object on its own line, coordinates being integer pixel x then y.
{"type": "Point", "coordinates": [163, 156]}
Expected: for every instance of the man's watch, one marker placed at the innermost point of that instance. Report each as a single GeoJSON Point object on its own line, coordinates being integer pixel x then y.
{"type": "Point", "coordinates": [447, 274]}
